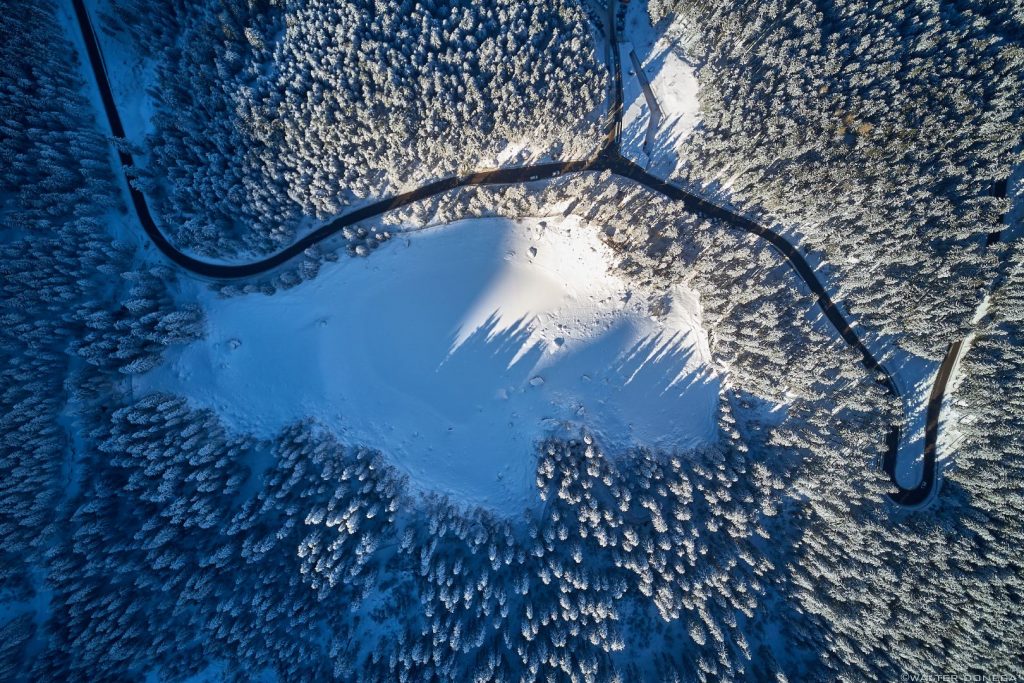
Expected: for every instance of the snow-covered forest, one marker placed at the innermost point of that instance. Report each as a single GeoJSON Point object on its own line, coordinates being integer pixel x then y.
{"type": "Point", "coordinates": [78, 316]}
{"type": "Point", "coordinates": [881, 131]}
{"type": "Point", "coordinates": [146, 537]}
{"type": "Point", "coordinates": [278, 111]}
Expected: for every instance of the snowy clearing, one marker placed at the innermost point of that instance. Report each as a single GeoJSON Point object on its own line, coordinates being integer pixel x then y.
{"type": "Point", "coordinates": [131, 77]}
{"type": "Point", "coordinates": [675, 86]}
{"type": "Point", "coordinates": [453, 350]}
{"type": "Point", "coordinates": [914, 377]}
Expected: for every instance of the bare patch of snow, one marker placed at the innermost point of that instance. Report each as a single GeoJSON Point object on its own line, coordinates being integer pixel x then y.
{"type": "Point", "coordinates": [515, 153]}
{"type": "Point", "coordinates": [455, 350]}
{"type": "Point", "coordinates": [675, 86]}
{"type": "Point", "coordinates": [914, 377]}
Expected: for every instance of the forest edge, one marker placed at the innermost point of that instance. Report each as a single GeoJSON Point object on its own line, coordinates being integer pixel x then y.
{"type": "Point", "coordinates": [608, 158]}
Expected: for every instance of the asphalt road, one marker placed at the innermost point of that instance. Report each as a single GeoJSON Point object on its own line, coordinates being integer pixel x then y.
{"type": "Point", "coordinates": [608, 158]}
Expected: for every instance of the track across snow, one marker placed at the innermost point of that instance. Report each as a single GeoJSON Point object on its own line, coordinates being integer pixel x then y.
{"type": "Point", "coordinates": [454, 349]}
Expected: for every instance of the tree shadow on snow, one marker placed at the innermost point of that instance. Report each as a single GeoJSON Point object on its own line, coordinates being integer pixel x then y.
{"type": "Point", "coordinates": [612, 381]}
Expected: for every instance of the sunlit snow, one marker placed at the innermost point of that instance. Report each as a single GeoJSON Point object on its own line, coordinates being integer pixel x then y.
{"type": "Point", "coordinates": [454, 349]}
{"type": "Point", "coordinates": [674, 82]}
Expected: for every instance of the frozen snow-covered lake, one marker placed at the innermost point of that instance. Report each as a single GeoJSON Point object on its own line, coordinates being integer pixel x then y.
{"type": "Point", "coordinates": [453, 350]}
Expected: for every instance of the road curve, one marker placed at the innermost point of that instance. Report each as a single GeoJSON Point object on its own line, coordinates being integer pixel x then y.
{"type": "Point", "coordinates": [931, 432]}
{"type": "Point", "coordinates": [608, 158]}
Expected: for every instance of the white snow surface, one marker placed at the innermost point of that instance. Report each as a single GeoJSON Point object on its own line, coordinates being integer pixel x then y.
{"type": "Point", "coordinates": [131, 77]}
{"type": "Point", "coordinates": [914, 377]}
{"type": "Point", "coordinates": [674, 82]}
{"type": "Point", "coordinates": [453, 350]}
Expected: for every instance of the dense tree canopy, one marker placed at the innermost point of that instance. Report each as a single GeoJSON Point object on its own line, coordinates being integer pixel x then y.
{"type": "Point", "coordinates": [876, 130]}
{"type": "Point", "coordinates": [143, 538]}
{"type": "Point", "coordinates": [267, 113]}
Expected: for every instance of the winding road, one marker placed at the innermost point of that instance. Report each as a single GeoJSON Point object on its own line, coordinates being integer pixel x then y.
{"type": "Point", "coordinates": [607, 159]}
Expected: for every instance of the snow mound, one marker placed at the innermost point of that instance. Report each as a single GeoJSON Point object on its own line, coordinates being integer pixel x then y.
{"type": "Point", "coordinates": [453, 350]}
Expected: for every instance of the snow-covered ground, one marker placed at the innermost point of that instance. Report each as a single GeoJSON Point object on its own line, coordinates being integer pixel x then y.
{"type": "Point", "coordinates": [453, 350]}
{"type": "Point", "coordinates": [517, 153]}
{"type": "Point", "coordinates": [674, 83]}
{"type": "Point", "coordinates": [131, 77]}
{"type": "Point", "coordinates": [914, 377]}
